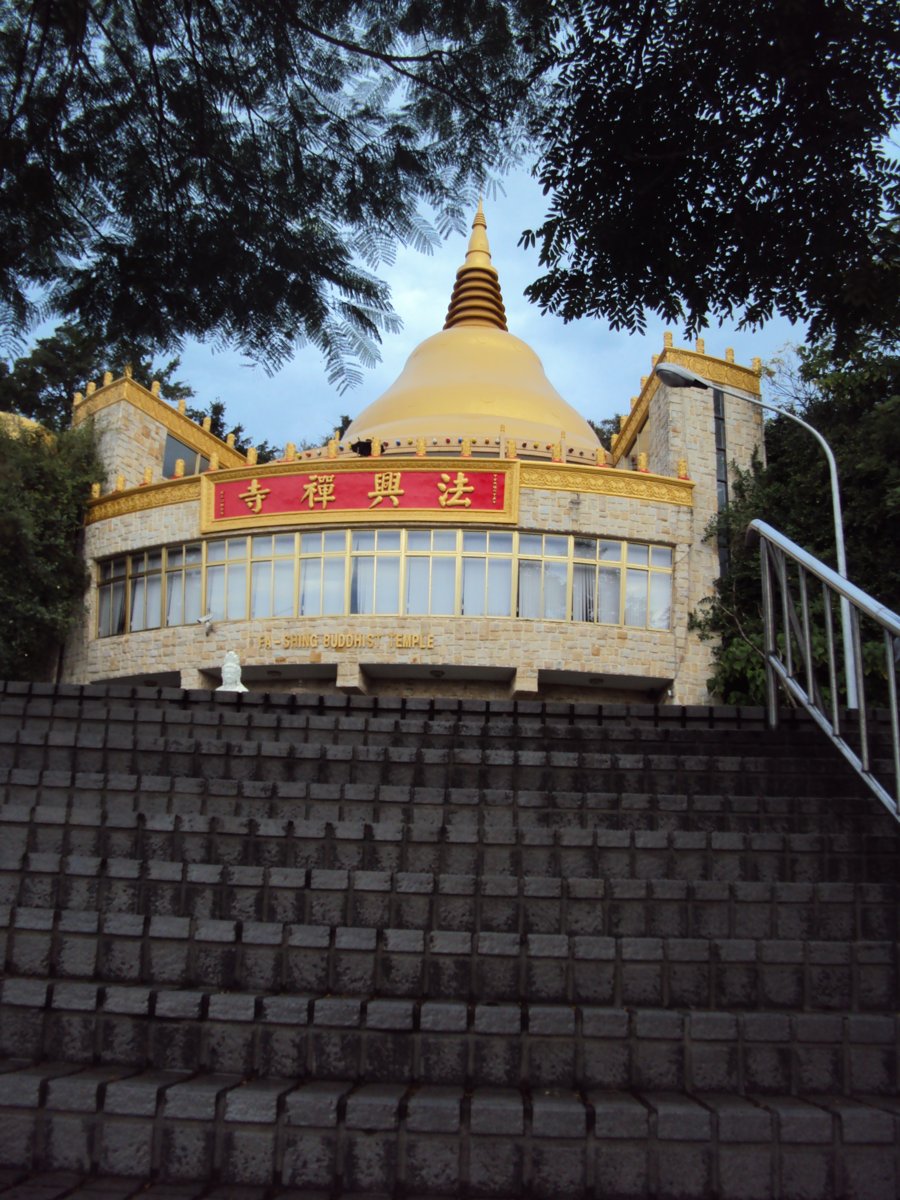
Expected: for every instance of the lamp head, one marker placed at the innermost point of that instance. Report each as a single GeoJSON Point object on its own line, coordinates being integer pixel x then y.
{"type": "Point", "coordinates": [674, 376]}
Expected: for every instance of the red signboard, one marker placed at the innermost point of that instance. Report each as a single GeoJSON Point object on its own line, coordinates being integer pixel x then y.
{"type": "Point", "coordinates": [320, 493]}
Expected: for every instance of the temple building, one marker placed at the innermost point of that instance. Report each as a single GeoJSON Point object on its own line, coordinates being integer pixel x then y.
{"type": "Point", "coordinates": [468, 535]}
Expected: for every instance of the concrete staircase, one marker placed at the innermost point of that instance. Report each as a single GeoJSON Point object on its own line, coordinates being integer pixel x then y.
{"type": "Point", "coordinates": [290, 945]}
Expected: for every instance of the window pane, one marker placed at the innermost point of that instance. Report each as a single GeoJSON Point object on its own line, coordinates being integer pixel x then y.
{"type": "Point", "coordinates": [499, 587]}
{"type": "Point", "coordinates": [215, 552]}
{"type": "Point", "coordinates": [284, 543]}
{"type": "Point", "coordinates": [556, 546]}
{"type": "Point", "coordinates": [154, 602]}
{"type": "Point", "coordinates": [389, 539]}
{"type": "Point", "coordinates": [444, 539]}
{"type": "Point", "coordinates": [362, 540]}
{"type": "Point", "coordinates": [261, 590]}
{"type": "Point", "coordinates": [529, 543]}
{"type": "Point", "coordinates": [362, 585]}
{"type": "Point", "coordinates": [237, 548]}
{"type": "Point", "coordinates": [443, 586]}
{"type": "Point", "coordinates": [283, 600]}
{"type": "Point", "coordinates": [333, 585]}
{"type": "Point", "coordinates": [174, 598]}
{"type": "Point", "coordinates": [192, 554]}
{"type": "Point", "coordinates": [215, 592]}
{"type": "Point", "coordinates": [262, 547]}
{"type": "Point", "coordinates": [417, 585]}
{"type": "Point", "coordinates": [529, 589]}
{"type": "Point", "coordinates": [418, 539]}
{"type": "Point", "coordinates": [501, 543]}
{"type": "Point", "coordinates": [117, 623]}
{"type": "Point", "coordinates": [191, 597]}
{"type": "Point", "coordinates": [311, 587]}
{"type": "Point", "coordinates": [639, 555]}
{"type": "Point", "coordinates": [106, 570]}
{"type": "Point", "coordinates": [473, 587]}
{"type": "Point", "coordinates": [137, 604]}
{"type": "Point", "coordinates": [608, 610]}
{"type": "Point", "coordinates": [660, 601]}
{"type": "Point", "coordinates": [585, 548]}
{"type": "Point", "coordinates": [611, 551]}
{"type": "Point", "coordinates": [103, 613]}
{"type": "Point", "coordinates": [154, 560]}
{"type": "Point", "coordinates": [555, 591]}
{"type": "Point", "coordinates": [660, 556]}
{"type": "Point", "coordinates": [583, 587]}
{"type": "Point", "coordinates": [335, 542]}
{"type": "Point", "coordinates": [475, 541]}
{"type": "Point", "coordinates": [236, 602]}
{"type": "Point", "coordinates": [310, 543]}
{"type": "Point", "coordinates": [174, 558]}
{"type": "Point", "coordinates": [635, 598]}
{"type": "Point", "coordinates": [387, 584]}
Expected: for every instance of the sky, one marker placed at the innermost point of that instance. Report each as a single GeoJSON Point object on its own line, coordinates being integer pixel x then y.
{"type": "Point", "coordinates": [594, 369]}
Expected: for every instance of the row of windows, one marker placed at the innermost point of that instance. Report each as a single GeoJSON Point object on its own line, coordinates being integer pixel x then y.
{"type": "Point", "coordinates": [415, 572]}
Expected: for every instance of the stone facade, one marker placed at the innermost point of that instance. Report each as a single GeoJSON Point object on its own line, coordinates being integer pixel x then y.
{"type": "Point", "coordinates": [451, 655]}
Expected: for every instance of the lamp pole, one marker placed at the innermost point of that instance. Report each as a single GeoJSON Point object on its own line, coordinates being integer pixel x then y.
{"type": "Point", "coordinates": [675, 376]}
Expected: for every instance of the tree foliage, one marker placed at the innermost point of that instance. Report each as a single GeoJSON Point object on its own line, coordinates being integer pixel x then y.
{"type": "Point", "coordinates": [702, 164]}
{"type": "Point", "coordinates": [857, 409]}
{"type": "Point", "coordinates": [220, 167]}
{"type": "Point", "coordinates": [40, 384]}
{"type": "Point", "coordinates": [44, 486]}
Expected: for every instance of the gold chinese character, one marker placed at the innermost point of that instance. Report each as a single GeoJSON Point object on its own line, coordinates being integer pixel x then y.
{"type": "Point", "coordinates": [319, 490]}
{"type": "Point", "coordinates": [387, 487]}
{"type": "Point", "coordinates": [254, 496]}
{"type": "Point", "coordinates": [454, 495]}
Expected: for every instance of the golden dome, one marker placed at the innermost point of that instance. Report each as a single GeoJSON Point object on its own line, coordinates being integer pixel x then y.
{"type": "Point", "coordinates": [474, 378]}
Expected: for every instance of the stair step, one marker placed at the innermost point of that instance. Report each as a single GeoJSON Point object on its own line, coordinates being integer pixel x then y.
{"type": "Point", "coordinates": [569, 904]}
{"type": "Point", "coordinates": [372, 1039]}
{"type": "Point", "coordinates": [497, 1142]}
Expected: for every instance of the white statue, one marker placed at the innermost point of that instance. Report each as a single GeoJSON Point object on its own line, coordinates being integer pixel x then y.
{"type": "Point", "coordinates": [231, 674]}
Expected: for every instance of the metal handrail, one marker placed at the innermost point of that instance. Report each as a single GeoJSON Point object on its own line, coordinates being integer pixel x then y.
{"type": "Point", "coordinates": [795, 666]}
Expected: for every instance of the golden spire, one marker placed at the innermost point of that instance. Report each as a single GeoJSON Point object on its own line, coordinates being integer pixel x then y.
{"type": "Point", "coordinates": [477, 299]}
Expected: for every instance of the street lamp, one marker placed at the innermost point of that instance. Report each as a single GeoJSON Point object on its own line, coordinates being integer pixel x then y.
{"type": "Point", "coordinates": [675, 376]}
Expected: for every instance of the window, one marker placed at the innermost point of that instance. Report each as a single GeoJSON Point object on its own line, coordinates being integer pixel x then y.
{"type": "Point", "coordinates": [415, 572]}
{"type": "Point", "coordinates": [194, 461]}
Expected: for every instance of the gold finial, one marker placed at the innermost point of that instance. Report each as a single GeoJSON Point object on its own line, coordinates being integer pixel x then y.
{"type": "Point", "coordinates": [148, 476]}
{"type": "Point", "coordinates": [331, 450]}
{"type": "Point", "coordinates": [420, 447]}
{"type": "Point", "coordinates": [251, 456]}
{"type": "Point", "coordinates": [701, 346]}
{"type": "Point", "coordinates": [290, 452]}
{"type": "Point", "coordinates": [229, 440]}
{"type": "Point", "coordinates": [756, 366]}
{"type": "Point", "coordinates": [129, 371]}
{"type": "Point", "coordinates": [182, 405]}
{"type": "Point", "coordinates": [643, 381]}
{"type": "Point", "coordinates": [213, 462]}
{"type": "Point", "coordinates": [178, 473]}
{"type": "Point", "coordinates": [78, 398]}
{"type": "Point", "coordinates": [729, 355]}
{"type": "Point", "coordinates": [107, 378]}
{"type": "Point", "coordinates": [654, 359]}
{"type": "Point", "coordinates": [95, 491]}
{"type": "Point", "coordinates": [642, 461]}
{"type": "Point", "coordinates": [556, 452]}
{"type": "Point", "coordinates": [511, 451]}
{"type": "Point", "coordinates": [207, 424]}
{"type": "Point", "coordinates": [376, 447]}
{"type": "Point", "coordinates": [154, 387]}
{"type": "Point", "coordinates": [682, 469]}
{"type": "Point", "coordinates": [91, 388]}
{"type": "Point", "coordinates": [613, 438]}
{"type": "Point", "coordinates": [466, 451]}
{"type": "Point", "coordinates": [120, 483]}
{"type": "Point", "coordinates": [477, 299]}
{"type": "Point", "coordinates": [633, 401]}
{"type": "Point", "coordinates": [602, 457]}
{"type": "Point", "coordinates": [622, 419]}
{"type": "Point", "coordinates": [667, 339]}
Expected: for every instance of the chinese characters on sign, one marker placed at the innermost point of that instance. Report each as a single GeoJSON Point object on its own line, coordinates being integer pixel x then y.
{"type": "Point", "coordinates": [402, 491]}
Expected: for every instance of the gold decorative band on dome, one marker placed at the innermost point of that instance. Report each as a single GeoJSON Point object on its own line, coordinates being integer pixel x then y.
{"type": "Point", "coordinates": [477, 299]}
